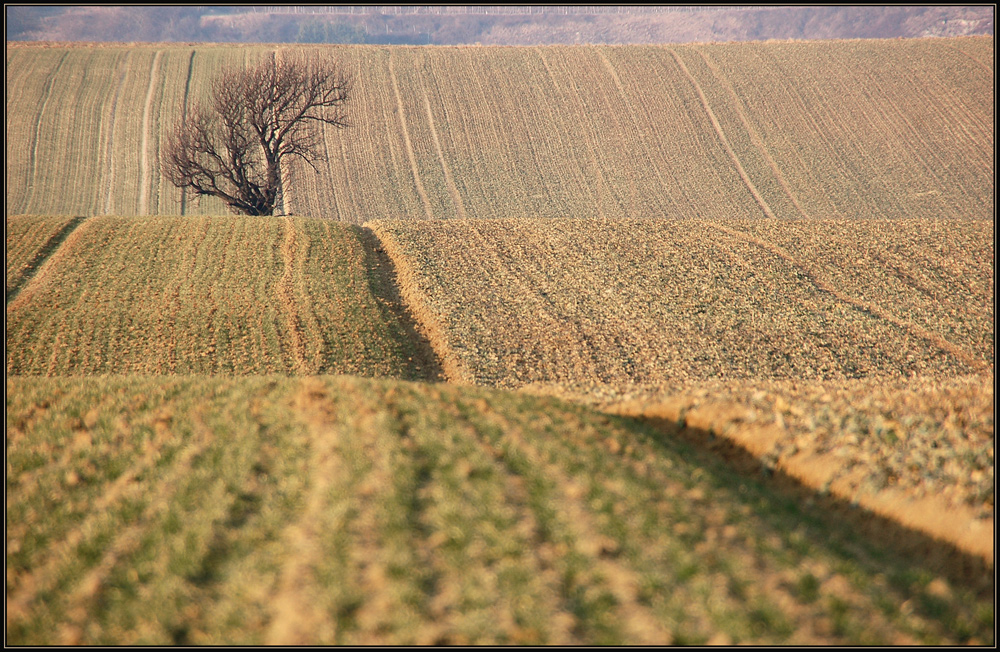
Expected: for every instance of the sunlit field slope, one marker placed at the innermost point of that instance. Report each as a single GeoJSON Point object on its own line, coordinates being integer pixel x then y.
{"type": "Point", "coordinates": [830, 130]}
{"type": "Point", "coordinates": [280, 510]}
{"type": "Point", "coordinates": [29, 242]}
{"type": "Point", "coordinates": [515, 302]}
{"type": "Point", "coordinates": [203, 295]}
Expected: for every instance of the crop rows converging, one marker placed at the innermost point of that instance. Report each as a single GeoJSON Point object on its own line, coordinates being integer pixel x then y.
{"type": "Point", "coordinates": [830, 130]}
{"type": "Point", "coordinates": [651, 301]}
{"type": "Point", "coordinates": [277, 510]}
{"type": "Point", "coordinates": [202, 295]}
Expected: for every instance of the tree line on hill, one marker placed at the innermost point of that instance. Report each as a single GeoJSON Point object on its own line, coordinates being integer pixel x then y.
{"type": "Point", "coordinates": [498, 25]}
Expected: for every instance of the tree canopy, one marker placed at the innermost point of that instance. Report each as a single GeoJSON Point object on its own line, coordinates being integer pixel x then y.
{"type": "Point", "coordinates": [233, 146]}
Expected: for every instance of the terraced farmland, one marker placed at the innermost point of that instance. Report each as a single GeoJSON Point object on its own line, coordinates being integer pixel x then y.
{"type": "Point", "coordinates": [341, 510]}
{"type": "Point", "coordinates": [651, 301]}
{"type": "Point", "coordinates": [222, 295]}
{"type": "Point", "coordinates": [826, 130]}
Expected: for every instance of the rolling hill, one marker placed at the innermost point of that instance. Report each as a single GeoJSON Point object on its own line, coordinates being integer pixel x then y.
{"type": "Point", "coordinates": [561, 345]}
{"type": "Point", "coordinates": [821, 130]}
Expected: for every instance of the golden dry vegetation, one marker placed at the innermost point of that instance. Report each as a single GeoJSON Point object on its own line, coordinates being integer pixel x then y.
{"type": "Point", "coordinates": [653, 301]}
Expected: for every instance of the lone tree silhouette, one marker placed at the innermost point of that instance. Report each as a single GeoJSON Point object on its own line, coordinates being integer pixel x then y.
{"type": "Point", "coordinates": [232, 147]}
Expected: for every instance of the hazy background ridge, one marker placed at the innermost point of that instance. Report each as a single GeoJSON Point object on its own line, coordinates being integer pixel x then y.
{"type": "Point", "coordinates": [489, 25]}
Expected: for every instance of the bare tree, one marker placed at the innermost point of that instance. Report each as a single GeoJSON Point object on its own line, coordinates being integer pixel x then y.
{"type": "Point", "coordinates": [233, 147]}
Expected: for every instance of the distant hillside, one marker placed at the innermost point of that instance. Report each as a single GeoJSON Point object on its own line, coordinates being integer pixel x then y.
{"type": "Point", "coordinates": [796, 130]}
{"type": "Point", "coordinates": [490, 25]}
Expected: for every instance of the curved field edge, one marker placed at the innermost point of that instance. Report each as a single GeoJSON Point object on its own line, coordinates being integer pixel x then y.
{"type": "Point", "coordinates": [30, 240]}
{"type": "Point", "coordinates": [184, 510]}
{"type": "Point", "coordinates": [918, 451]}
{"type": "Point", "coordinates": [208, 295]}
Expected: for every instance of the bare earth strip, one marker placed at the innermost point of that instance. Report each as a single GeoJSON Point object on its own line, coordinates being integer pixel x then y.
{"type": "Point", "coordinates": [579, 178]}
{"type": "Point", "coordinates": [144, 182]}
{"type": "Point", "coordinates": [635, 125]}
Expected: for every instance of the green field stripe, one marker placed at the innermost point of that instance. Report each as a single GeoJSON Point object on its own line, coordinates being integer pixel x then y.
{"type": "Point", "coordinates": [493, 586]}
{"type": "Point", "coordinates": [210, 295]}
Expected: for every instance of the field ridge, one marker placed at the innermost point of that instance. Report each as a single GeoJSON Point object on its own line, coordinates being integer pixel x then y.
{"type": "Point", "coordinates": [950, 531]}
{"type": "Point", "coordinates": [415, 304]}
